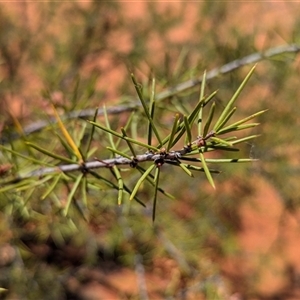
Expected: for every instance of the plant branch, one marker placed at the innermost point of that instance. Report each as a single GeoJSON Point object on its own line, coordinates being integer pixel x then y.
{"type": "Point", "coordinates": [172, 157]}
{"type": "Point", "coordinates": [229, 67]}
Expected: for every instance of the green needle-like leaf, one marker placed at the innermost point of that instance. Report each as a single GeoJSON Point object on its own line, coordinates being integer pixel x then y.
{"type": "Point", "coordinates": [113, 185]}
{"type": "Point", "coordinates": [232, 100]}
{"type": "Point", "coordinates": [193, 116]}
{"type": "Point", "coordinates": [209, 119]}
{"type": "Point", "coordinates": [191, 119]}
{"type": "Point", "coordinates": [128, 143]}
{"type": "Point", "coordinates": [29, 158]}
{"type": "Point", "coordinates": [67, 136]}
{"type": "Point", "coordinates": [226, 118]}
{"type": "Point", "coordinates": [245, 139]}
{"type": "Point", "coordinates": [230, 160]}
{"type": "Point", "coordinates": [151, 111]}
{"type": "Point", "coordinates": [140, 181]}
{"type": "Point", "coordinates": [91, 135]}
{"type": "Point", "coordinates": [115, 168]}
{"type": "Point", "coordinates": [196, 168]}
{"type": "Point", "coordinates": [84, 188]}
{"type": "Point", "coordinates": [185, 169]}
{"type": "Point", "coordinates": [125, 128]}
{"type": "Point", "coordinates": [188, 130]}
{"type": "Point", "coordinates": [111, 141]}
{"type": "Point", "coordinates": [118, 152]}
{"type": "Point", "coordinates": [72, 193]}
{"type": "Point", "coordinates": [221, 141]}
{"type": "Point", "coordinates": [51, 154]}
{"type": "Point", "coordinates": [138, 90]}
{"type": "Point", "coordinates": [245, 119]}
{"type": "Point", "coordinates": [206, 170]}
{"type": "Point", "coordinates": [64, 144]}
{"type": "Point", "coordinates": [120, 184]}
{"type": "Point", "coordinates": [200, 114]}
{"type": "Point", "coordinates": [173, 132]}
{"type": "Point", "coordinates": [52, 186]}
{"type": "Point", "coordinates": [156, 178]}
{"type": "Point", "coordinates": [123, 137]}
{"type": "Point", "coordinates": [151, 179]}
{"type": "Point", "coordinates": [237, 128]}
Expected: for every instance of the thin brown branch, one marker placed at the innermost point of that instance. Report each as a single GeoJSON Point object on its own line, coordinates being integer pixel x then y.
{"type": "Point", "coordinates": [250, 59]}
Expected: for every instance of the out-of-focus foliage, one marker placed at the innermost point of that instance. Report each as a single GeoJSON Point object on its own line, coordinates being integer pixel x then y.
{"type": "Point", "coordinates": [80, 55]}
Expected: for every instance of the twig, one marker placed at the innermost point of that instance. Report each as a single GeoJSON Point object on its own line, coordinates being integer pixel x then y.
{"type": "Point", "coordinates": [252, 58]}
{"type": "Point", "coordinates": [39, 125]}
{"type": "Point", "coordinates": [172, 157]}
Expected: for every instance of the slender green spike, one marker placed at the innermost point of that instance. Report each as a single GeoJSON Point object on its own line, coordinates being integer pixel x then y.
{"type": "Point", "coordinates": [238, 127]}
{"type": "Point", "coordinates": [200, 114]}
{"type": "Point", "coordinates": [231, 160]}
{"type": "Point", "coordinates": [200, 121]}
{"type": "Point", "coordinates": [128, 123]}
{"type": "Point", "coordinates": [247, 118]}
{"type": "Point", "coordinates": [221, 141]}
{"type": "Point", "coordinates": [222, 148]}
{"type": "Point", "coordinates": [67, 136]}
{"type": "Point", "coordinates": [203, 83]}
{"type": "Point", "coordinates": [91, 135]}
{"type": "Point", "coordinates": [195, 112]}
{"type": "Point", "coordinates": [81, 135]}
{"type": "Point", "coordinates": [39, 162]}
{"type": "Point", "coordinates": [111, 141]}
{"type": "Point", "coordinates": [151, 179]}
{"type": "Point", "coordinates": [233, 99]}
{"type": "Point", "coordinates": [173, 132]}
{"type": "Point", "coordinates": [156, 178]}
{"type": "Point", "coordinates": [112, 185]}
{"type": "Point", "coordinates": [185, 169]}
{"type": "Point", "coordinates": [245, 139]}
{"type": "Point", "coordinates": [115, 168]}
{"type": "Point", "coordinates": [128, 143]}
{"type": "Point", "coordinates": [196, 168]}
{"type": "Point", "coordinates": [65, 144]}
{"type": "Point", "coordinates": [209, 119]}
{"type": "Point", "coordinates": [52, 186]}
{"type": "Point", "coordinates": [188, 130]}
{"type": "Point", "coordinates": [84, 191]}
{"type": "Point", "coordinates": [33, 184]}
{"type": "Point", "coordinates": [209, 98]}
{"type": "Point", "coordinates": [53, 155]}
{"type": "Point", "coordinates": [151, 111]}
{"type": "Point", "coordinates": [123, 137]}
{"type": "Point", "coordinates": [13, 186]}
{"type": "Point", "coordinates": [120, 184]}
{"type": "Point", "coordinates": [105, 129]}
{"type": "Point", "coordinates": [192, 117]}
{"type": "Point", "coordinates": [72, 193]}
{"type": "Point", "coordinates": [138, 90]}
{"type": "Point", "coordinates": [119, 152]}
{"type": "Point", "coordinates": [226, 118]}
{"type": "Point", "coordinates": [142, 178]}
{"type": "Point", "coordinates": [206, 170]}
{"type": "Point", "coordinates": [191, 120]}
